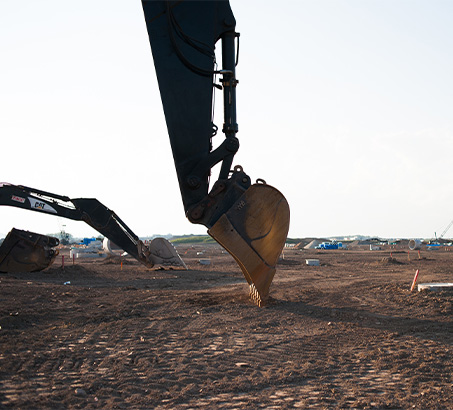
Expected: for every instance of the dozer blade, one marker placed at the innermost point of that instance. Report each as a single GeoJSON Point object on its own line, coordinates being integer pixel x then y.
{"type": "Point", "coordinates": [24, 251]}
{"type": "Point", "coordinates": [254, 232]}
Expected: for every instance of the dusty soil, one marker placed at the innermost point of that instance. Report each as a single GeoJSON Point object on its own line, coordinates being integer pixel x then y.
{"type": "Point", "coordinates": [346, 334]}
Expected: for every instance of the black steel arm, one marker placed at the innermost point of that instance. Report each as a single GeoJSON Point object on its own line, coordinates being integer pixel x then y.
{"type": "Point", "coordinates": [183, 35]}
{"type": "Point", "coordinates": [88, 210]}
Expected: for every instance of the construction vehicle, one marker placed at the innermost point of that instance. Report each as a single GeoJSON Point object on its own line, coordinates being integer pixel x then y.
{"type": "Point", "coordinates": [92, 212]}
{"type": "Point", "coordinates": [443, 232]}
{"type": "Point", "coordinates": [330, 245]}
{"type": "Point", "coordinates": [250, 221]}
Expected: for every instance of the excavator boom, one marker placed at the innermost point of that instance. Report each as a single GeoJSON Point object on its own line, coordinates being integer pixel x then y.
{"type": "Point", "coordinates": [250, 221]}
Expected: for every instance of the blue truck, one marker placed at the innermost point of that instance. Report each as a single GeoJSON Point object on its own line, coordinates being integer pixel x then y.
{"type": "Point", "coordinates": [330, 245]}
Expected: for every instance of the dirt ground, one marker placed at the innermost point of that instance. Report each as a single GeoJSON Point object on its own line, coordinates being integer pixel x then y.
{"type": "Point", "coordinates": [347, 334]}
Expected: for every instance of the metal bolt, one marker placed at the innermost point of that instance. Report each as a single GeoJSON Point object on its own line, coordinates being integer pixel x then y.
{"type": "Point", "coordinates": [194, 182]}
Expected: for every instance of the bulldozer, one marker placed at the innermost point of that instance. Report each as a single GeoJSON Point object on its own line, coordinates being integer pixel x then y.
{"type": "Point", "coordinates": [250, 220]}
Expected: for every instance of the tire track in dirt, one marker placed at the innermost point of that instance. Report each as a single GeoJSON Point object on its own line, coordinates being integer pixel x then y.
{"type": "Point", "coordinates": [328, 339]}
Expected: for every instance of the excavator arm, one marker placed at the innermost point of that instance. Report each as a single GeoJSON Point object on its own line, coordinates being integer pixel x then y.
{"type": "Point", "coordinates": [250, 221]}
{"type": "Point", "coordinates": [95, 214]}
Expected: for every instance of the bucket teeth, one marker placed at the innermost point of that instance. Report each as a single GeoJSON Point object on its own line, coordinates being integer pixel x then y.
{"type": "Point", "coordinates": [255, 296]}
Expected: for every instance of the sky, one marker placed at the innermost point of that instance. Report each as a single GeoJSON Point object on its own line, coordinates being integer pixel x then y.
{"type": "Point", "coordinates": [344, 106]}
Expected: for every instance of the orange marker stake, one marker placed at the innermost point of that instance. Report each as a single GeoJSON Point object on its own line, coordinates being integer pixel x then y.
{"type": "Point", "coordinates": [121, 265]}
{"type": "Point", "coordinates": [415, 280]}
{"type": "Point", "coordinates": [408, 256]}
{"type": "Point", "coordinates": [419, 257]}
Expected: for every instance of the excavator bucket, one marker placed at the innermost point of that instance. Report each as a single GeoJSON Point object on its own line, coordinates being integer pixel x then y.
{"type": "Point", "coordinates": [159, 251]}
{"type": "Point", "coordinates": [254, 232]}
{"type": "Point", "coordinates": [165, 254]}
{"type": "Point", "coordinates": [24, 251]}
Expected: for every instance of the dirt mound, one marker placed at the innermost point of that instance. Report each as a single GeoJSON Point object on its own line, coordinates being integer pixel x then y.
{"type": "Point", "coordinates": [117, 260]}
{"type": "Point", "coordinates": [388, 260]}
{"type": "Point", "coordinates": [70, 269]}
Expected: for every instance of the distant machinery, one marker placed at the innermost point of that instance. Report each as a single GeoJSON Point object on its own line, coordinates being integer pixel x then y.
{"type": "Point", "coordinates": [444, 232]}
